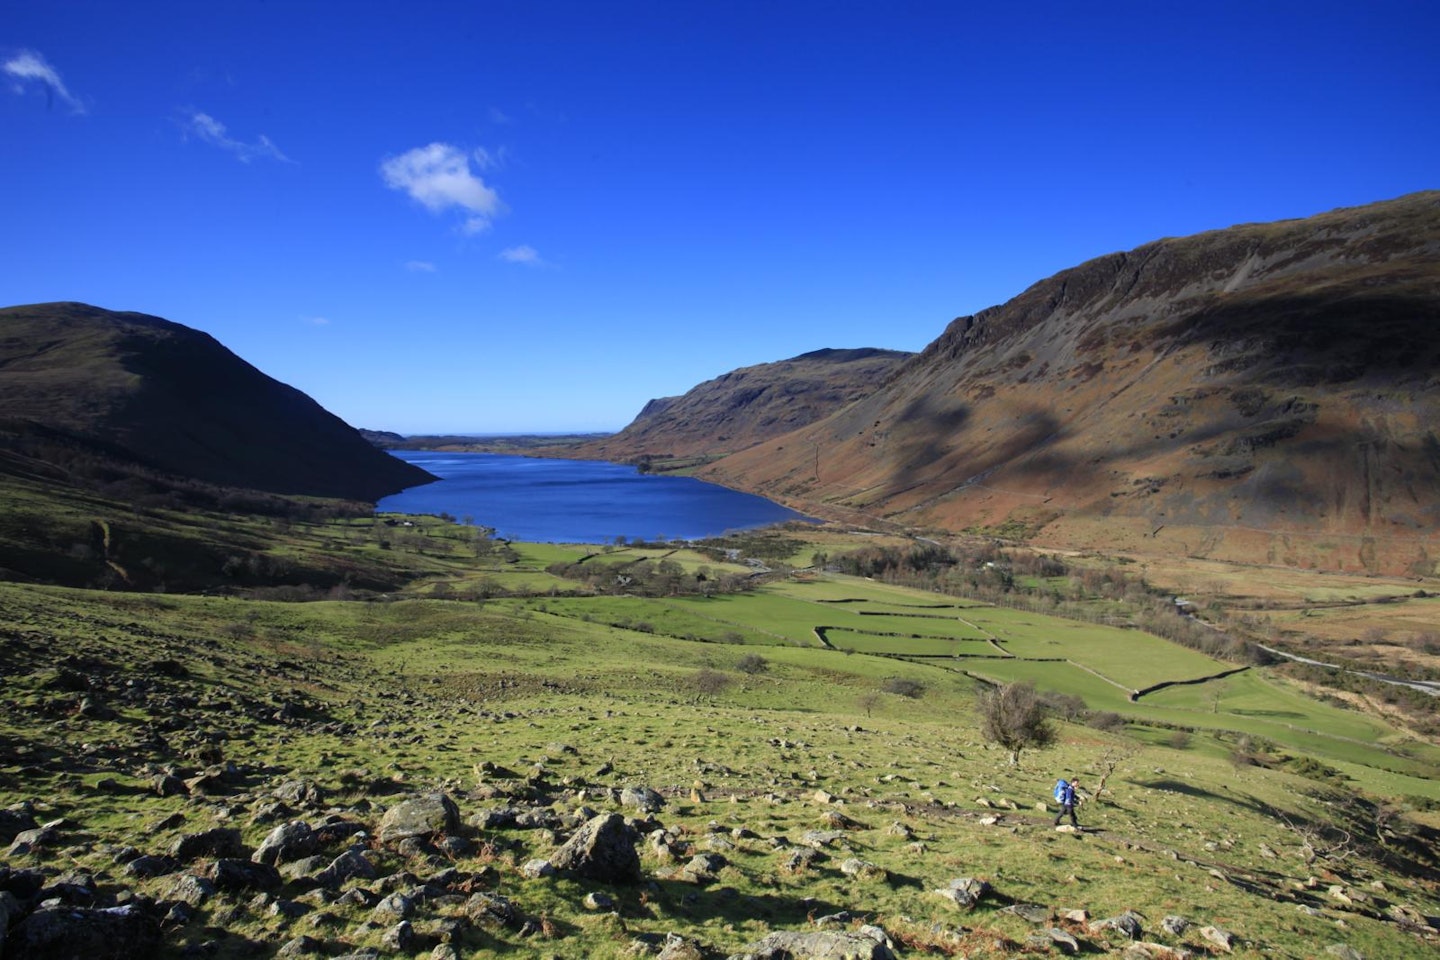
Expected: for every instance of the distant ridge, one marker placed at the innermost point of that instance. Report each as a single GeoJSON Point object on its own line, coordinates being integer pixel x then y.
{"type": "Point", "coordinates": [746, 406]}
{"type": "Point", "coordinates": [1263, 393]}
{"type": "Point", "coordinates": [80, 384]}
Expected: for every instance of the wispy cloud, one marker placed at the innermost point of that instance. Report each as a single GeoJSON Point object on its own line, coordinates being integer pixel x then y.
{"type": "Point", "coordinates": [317, 321]}
{"type": "Point", "coordinates": [29, 67]}
{"type": "Point", "coordinates": [523, 254]}
{"type": "Point", "coordinates": [212, 131]}
{"type": "Point", "coordinates": [439, 176]}
{"type": "Point", "coordinates": [420, 266]}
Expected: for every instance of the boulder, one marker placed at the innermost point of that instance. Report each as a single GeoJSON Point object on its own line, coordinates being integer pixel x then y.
{"type": "Point", "coordinates": [350, 865]}
{"type": "Point", "coordinates": [62, 933]}
{"type": "Point", "coordinates": [13, 821]}
{"type": "Point", "coordinates": [300, 793]}
{"type": "Point", "coordinates": [26, 841]}
{"type": "Point", "coordinates": [1223, 939]}
{"type": "Point", "coordinates": [237, 874]}
{"type": "Point", "coordinates": [641, 798]}
{"type": "Point", "coordinates": [1130, 924]}
{"type": "Point", "coordinates": [863, 869]}
{"type": "Point", "coordinates": [602, 850]}
{"type": "Point", "coordinates": [423, 816]}
{"type": "Point", "coordinates": [289, 841]}
{"type": "Point", "coordinates": [190, 889]}
{"type": "Point", "coordinates": [965, 892]}
{"type": "Point", "coordinates": [869, 943]}
{"type": "Point", "coordinates": [220, 842]}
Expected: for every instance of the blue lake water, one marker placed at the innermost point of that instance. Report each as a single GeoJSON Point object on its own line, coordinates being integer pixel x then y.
{"type": "Point", "coordinates": [577, 501]}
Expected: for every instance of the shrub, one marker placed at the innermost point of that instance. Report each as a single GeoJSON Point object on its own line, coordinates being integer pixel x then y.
{"type": "Point", "coordinates": [1067, 706]}
{"type": "Point", "coordinates": [710, 682]}
{"type": "Point", "coordinates": [904, 687]}
{"type": "Point", "coordinates": [1107, 720]}
{"type": "Point", "coordinates": [1179, 740]}
{"type": "Point", "coordinates": [752, 663]}
{"type": "Point", "coordinates": [1013, 716]}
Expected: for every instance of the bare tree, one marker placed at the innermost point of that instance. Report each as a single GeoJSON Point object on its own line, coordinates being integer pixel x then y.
{"type": "Point", "coordinates": [1013, 716]}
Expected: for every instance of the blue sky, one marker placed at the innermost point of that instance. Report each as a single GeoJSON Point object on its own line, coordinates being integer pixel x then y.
{"type": "Point", "coordinates": [535, 216]}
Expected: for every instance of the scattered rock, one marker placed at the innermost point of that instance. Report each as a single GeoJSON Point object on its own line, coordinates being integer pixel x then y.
{"type": "Point", "coordinates": [1030, 912]}
{"type": "Point", "coordinates": [681, 948]}
{"type": "Point", "coordinates": [965, 892]}
{"type": "Point", "coordinates": [602, 850]}
{"type": "Point", "coordinates": [63, 933]}
{"type": "Point", "coordinates": [219, 842]}
{"type": "Point", "coordinates": [869, 943]}
{"type": "Point", "coordinates": [1344, 952]}
{"type": "Point", "coordinates": [350, 865]}
{"type": "Point", "coordinates": [236, 874]}
{"type": "Point", "coordinates": [863, 869]}
{"type": "Point", "coordinates": [1175, 926]}
{"type": "Point", "coordinates": [641, 798]}
{"type": "Point", "coordinates": [399, 938]}
{"type": "Point", "coordinates": [490, 909]}
{"type": "Point", "coordinates": [191, 889]}
{"type": "Point", "coordinates": [422, 816]}
{"type": "Point", "coordinates": [289, 841]}
{"type": "Point", "coordinates": [1129, 923]}
{"type": "Point", "coordinates": [1219, 936]}
{"type": "Point", "coordinates": [598, 900]}
{"type": "Point", "coordinates": [537, 868]}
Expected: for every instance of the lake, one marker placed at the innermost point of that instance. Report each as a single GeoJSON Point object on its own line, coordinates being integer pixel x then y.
{"type": "Point", "coordinates": [577, 501]}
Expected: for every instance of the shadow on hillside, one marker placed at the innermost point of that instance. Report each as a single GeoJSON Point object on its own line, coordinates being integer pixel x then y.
{"type": "Point", "coordinates": [680, 898]}
{"type": "Point", "coordinates": [1199, 793]}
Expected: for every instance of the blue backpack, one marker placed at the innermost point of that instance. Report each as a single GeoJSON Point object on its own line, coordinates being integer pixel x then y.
{"type": "Point", "coordinates": [1062, 789]}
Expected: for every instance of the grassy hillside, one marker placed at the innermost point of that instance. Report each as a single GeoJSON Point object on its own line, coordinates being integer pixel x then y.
{"type": "Point", "coordinates": [112, 398]}
{"type": "Point", "coordinates": [1261, 394]}
{"type": "Point", "coordinates": [808, 780]}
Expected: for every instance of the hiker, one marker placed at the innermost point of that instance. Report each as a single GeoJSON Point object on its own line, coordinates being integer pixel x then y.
{"type": "Point", "coordinates": [1065, 795]}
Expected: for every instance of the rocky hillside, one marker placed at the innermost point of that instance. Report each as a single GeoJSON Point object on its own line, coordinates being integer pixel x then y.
{"type": "Point", "coordinates": [81, 386]}
{"type": "Point", "coordinates": [746, 406]}
{"type": "Point", "coordinates": [1261, 393]}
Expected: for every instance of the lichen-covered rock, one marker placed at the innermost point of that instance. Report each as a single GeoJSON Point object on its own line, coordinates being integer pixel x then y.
{"type": "Point", "coordinates": [869, 943]}
{"type": "Point", "coordinates": [422, 816]}
{"type": "Point", "coordinates": [350, 865]}
{"type": "Point", "coordinates": [602, 850]}
{"type": "Point", "coordinates": [1130, 924]}
{"type": "Point", "coordinates": [190, 889]}
{"type": "Point", "coordinates": [289, 841]}
{"type": "Point", "coordinates": [641, 798]}
{"type": "Point", "coordinates": [965, 892]}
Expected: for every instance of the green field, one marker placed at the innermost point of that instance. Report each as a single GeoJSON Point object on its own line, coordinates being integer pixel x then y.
{"type": "Point", "coordinates": [753, 732]}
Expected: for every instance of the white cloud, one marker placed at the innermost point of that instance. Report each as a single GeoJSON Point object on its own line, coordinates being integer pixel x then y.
{"type": "Point", "coordinates": [27, 66]}
{"type": "Point", "coordinates": [439, 177]}
{"type": "Point", "coordinates": [213, 132]}
{"type": "Point", "coordinates": [498, 116]}
{"type": "Point", "coordinates": [420, 266]}
{"type": "Point", "coordinates": [524, 253]}
{"type": "Point", "coordinates": [317, 321]}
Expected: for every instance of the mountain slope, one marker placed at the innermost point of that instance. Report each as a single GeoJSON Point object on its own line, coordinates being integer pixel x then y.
{"type": "Point", "coordinates": [1265, 392]}
{"type": "Point", "coordinates": [746, 406]}
{"type": "Point", "coordinates": [81, 383]}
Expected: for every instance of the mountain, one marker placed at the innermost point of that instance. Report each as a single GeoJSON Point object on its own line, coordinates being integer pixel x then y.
{"type": "Point", "coordinates": [746, 406]}
{"type": "Point", "coordinates": [84, 386]}
{"type": "Point", "coordinates": [1262, 393]}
